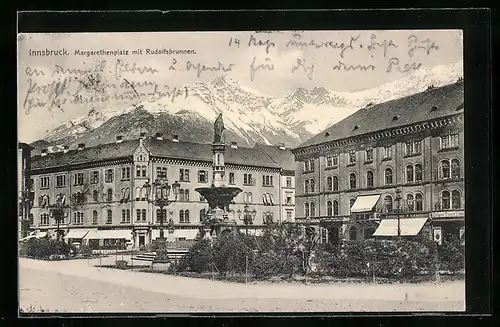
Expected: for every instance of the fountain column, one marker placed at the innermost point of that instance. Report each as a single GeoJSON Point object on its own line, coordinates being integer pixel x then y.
{"type": "Point", "coordinates": [219, 178]}
{"type": "Point", "coordinates": [218, 195]}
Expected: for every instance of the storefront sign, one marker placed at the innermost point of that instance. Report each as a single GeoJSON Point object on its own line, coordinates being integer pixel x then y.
{"type": "Point", "coordinates": [448, 214]}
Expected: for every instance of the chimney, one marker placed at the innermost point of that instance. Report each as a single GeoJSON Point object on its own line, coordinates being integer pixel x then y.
{"type": "Point", "coordinates": [119, 139]}
{"type": "Point", "coordinates": [234, 145]}
{"type": "Point", "coordinates": [50, 149]}
{"type": "Point", "coordinates": [81, 146]}
{"type": "Point", "coordinates": [142, 135]}
{"type": "Point", "coordinates": [281, 146]}
{"type": "Point", "coordinates": [159, 136]}
{"type": "Point", "coordinates": [44, 152]}
{"type": "Point", "coordinates": [175, 138]}
{"type": "Point", "coordinates": [66, 149]}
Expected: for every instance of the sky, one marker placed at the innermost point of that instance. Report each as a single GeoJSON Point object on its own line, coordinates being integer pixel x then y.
{"type": "Point", "coordinates": [273, 64]}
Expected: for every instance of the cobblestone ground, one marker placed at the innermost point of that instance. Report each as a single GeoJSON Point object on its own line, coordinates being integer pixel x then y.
{"type": "Point", "coordinates": [77, 286]}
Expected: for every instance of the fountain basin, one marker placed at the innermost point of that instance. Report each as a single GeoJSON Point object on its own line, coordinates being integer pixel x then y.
{"type": "Point", "coordinates": [220, 196]}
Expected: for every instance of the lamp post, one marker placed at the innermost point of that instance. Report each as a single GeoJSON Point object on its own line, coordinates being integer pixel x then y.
{"type": "Point", "coordinates": [398, 210]}
{"type": "Point", "coordinates": [248, 217]}
{"type": "Point", "coordinates": [158, 193]}
{"type": "Point", "coordinates": [435, 246]}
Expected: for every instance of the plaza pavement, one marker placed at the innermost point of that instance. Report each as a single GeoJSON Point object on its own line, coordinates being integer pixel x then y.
{"type": "Point", "coordinates": [78, 286]}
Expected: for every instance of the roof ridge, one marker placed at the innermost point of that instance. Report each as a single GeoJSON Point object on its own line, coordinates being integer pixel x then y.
{"type": "Point", "coordinates": [371, 118]}
{"type": "Point", "coordinates": [267, 154]}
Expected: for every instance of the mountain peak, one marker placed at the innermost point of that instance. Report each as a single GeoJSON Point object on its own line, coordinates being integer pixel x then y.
{"type": "Point", "coordinates": [225, 81]}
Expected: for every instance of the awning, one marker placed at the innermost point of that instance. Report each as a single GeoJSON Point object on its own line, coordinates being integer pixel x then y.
{"type": "Point", "coordinates": [77, 233]}
{"type": "Point", "coordinates": [408, 226]}
{"type": "Point", "coordinates": [41, 234]}
{"type": "Point", "coordinates": [365, 203]}
{"type": "Point", "coordinates": [110, 234]}
{"type": "Point", "coordinates": [27, 238]}
{"type": "Point", "coordinates": [188, 234]}
{"type": "Point", "coordinates": [253, 232]}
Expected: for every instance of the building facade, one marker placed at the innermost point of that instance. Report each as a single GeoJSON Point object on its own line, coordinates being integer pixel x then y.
{"type": "Point", "coordinates": [285, 159]}
{"type": "Point", "coordinates": [103, 187]}
{"type": "Point", "coordinates": [388, 169]}
{"type": "Point", "coordinates": [24, 186]}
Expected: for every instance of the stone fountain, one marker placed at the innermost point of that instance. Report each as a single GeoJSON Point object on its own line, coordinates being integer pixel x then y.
{"type": "Point", "coordinates": [220, 217]}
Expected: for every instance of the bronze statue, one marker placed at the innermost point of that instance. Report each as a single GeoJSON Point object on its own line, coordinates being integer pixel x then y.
{"type": "Point", "coordinates": [218, 129]}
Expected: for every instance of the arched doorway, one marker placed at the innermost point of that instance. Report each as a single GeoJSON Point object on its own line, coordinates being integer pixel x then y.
{"type": "Point", "coordinates": [333, 235]}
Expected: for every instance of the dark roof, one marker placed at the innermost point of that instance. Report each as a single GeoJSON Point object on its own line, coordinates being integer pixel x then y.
{"type": "Point", "coordinates": [408, 110]}
{"type": "Point", "coordinates": [160, 148]}
{"type": "Point", "coordinates": [91, 154]}
{"type": "Point", "coordinates": [203, 152]}
{"type": "Point", "coordinates": [22, 145]}
{"type": "Point", "coordinates": [283, 157]}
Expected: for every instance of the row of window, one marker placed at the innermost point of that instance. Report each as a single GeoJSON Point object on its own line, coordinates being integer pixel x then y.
{"type": "Point", "coordinates": [161, 172]}
{"type": "Point", "coordinates": [141, 214]}
{"type": "Point", "coordinates": [413, 174]}
{"type": "Point", "coordinates": [125, 218]}
{"type": "Point", "coordinates": [410, 148]}
{"type": "Point", "coordinates": [412, 202]}
{"type": "Point", "coordinates": [79, 198]}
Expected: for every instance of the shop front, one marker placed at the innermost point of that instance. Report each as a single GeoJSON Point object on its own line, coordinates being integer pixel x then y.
{"type": "Point", "coordinates": [363, 220]}
{"type": "Point", "coordinates": [448, 225]}
{"type": "Point", "coordinates": [181, 234]}
{"type": "Point", "coordinates": [76, 237]}
{"type": "Point", "coordinates": [109, 239]}
{"type": "Point", "coordinates": [404, 226]}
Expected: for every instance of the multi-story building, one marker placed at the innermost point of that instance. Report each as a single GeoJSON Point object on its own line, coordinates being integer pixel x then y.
{"type": "Point", "coordinates": [399, 159]}
{"type": "Point", "coordinates": [285, 159]}
{"type": "Point", "coordinates": [24, 186]}
{"type": "Point", "coordinates": [107, 201]}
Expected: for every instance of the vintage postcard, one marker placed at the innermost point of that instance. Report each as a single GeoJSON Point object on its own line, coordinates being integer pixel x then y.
{"type": "Point", "coordinates": [256, 171]}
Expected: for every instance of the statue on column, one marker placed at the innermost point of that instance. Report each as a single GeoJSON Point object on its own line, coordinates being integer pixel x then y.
{"type": "Point", "coordinates": [218, 129]}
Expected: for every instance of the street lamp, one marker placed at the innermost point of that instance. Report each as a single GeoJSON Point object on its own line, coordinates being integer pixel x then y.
{"type": "Point", "coordinates": [248, 216]}
{"type": "Point", "coordinates": [158, 194]}
{"type": "Point", "coordinates": [398, 209]}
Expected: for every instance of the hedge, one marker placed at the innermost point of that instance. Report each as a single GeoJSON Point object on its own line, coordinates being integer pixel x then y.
{"type": "Point", "coordinates": [283, 250]}
{"type": "Point", "coordinates": [44, 248]}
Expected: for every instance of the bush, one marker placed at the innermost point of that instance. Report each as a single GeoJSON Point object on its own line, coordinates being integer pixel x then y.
{"type": "Point", "coordinates": [198, 259]}
{"type": "Point", "coordinates": [283, 251]}
{"type": "Point", "coordinates": [230, 253]}
{"type": "Point", "coordinates": [451, 255]}
{"type": "Point", "coordinates": [45, 247]}
{"type": "Point", "coordinates": [121, 264]}
{"type": "Point", "coordinates": [384, 258]}
{"type": "Point", "coordinates": [84, 250]}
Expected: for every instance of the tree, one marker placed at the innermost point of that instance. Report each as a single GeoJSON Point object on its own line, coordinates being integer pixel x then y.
{"type": "Point", "coordinates": [58, 211]}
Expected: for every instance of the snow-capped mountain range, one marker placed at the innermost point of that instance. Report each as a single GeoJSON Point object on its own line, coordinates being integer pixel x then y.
{"type": "Point", "coordinates": [249, 116]}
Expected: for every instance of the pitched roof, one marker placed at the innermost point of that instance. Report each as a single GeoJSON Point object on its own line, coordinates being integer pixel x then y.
{"type": "Point", "coordinates": [203, 152]}
{"type": "Point", "coordinates": [283, 157]}
{"type": "Point", "coordinates": [162, 148]}
{"type": "Point", "coordinates": [408, 110]}
{"type": "Point", "coordinates": [87, 155]}
{"type": "Point", "coordinates": [22, 145]}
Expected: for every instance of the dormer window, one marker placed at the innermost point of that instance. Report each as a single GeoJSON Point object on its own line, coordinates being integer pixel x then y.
{"type": "Point", "coordinates": [394, 118]}
{"type": "Point", "coordinates": [434, 108]}
{"type": "Point", "coordinates": [327, 134]}
{"type": "Point", "coordinates": [355, 127]}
